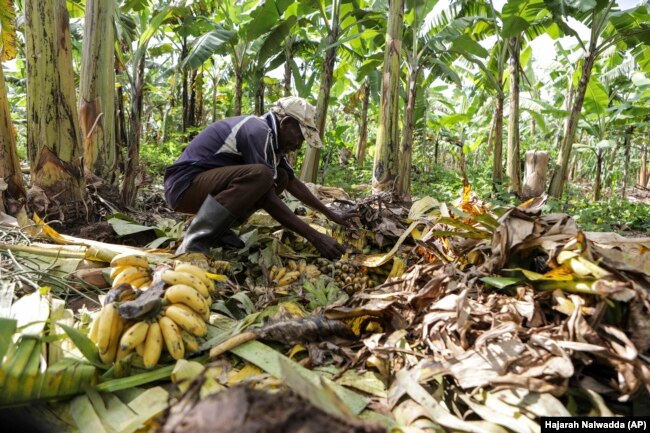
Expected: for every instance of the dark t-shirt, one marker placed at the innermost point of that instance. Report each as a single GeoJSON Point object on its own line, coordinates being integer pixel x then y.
{"type": "Point", "coordinates": [232, 141]}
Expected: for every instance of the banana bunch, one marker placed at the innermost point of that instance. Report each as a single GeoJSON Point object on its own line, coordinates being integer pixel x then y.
{"type": "Point", "coordinates": [346, 275]}
{"type": "Point", "coordinates": [283, 276]}
{"type": "Point", "coordinates": [176, 326]}
{"type": "Point", "coordinates": [130, 268]}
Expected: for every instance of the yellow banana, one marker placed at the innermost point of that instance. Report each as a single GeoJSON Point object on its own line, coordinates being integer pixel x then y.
{"type": "Point", "coordinates": [174, 277]}
{"type": "Point", "coordinates": [311, 271]}
{"type": "Point", "coordinates": [191, 343]}
{"type": "Point", "coordinates": [129, 259]}
{"type": "Point", "coordinates": [139, 349]}
{"type": "Point", "coordinates": [117, 324]}
{"type": "Point", "coordinates": [302, 265]}
{"type": "Point", "coordinates": [141, 282]}
{"type": "Point", "coordinates": [134, 336]}
{"type": "Point", "coordinates": [128, 275]}
{"type": "Point", "coordinates": [272, 272]}
{"type": "Point", "coordinates": [117, 270]}
{"type": "Point", "coordinates": [172, 336]}
{"type": "Point", "coordinates": [105, 326]}
{"type": "Point", "coordinates": [122, 353]}
{"type": "Point", "coordinates": [183, 294]}
{"type": "Point", "coordinates": [94, 329]}
{"type": "Point", "coordinates": [187, 319]}
{"type": "Point", "coordinates": [292, 265]}
{"type": "Point", "coordinates": [198, 273]}
{"type": "Point", "coordinates": [279, 274]}
{"type": "Point", "coordinates": [152, 345]}
{"type": "Point", "coordinates": [288, 278]}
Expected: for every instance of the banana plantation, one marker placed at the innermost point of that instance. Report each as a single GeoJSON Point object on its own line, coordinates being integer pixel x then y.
{"type": "Point", "coordinates": [468, 250]}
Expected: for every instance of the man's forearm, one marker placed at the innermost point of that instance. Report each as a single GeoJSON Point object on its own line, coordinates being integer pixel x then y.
{"type": "Point", "coordinates": [300, 191]}
{"type": "Point", "coordinates": [282, 214]}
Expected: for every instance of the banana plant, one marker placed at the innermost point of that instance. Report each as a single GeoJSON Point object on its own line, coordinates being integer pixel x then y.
{"type": "Point", "coordinates": [147, 24]}
{"type": "Point", "coordinates": [609, 27]}
{"type": "Point", "coordinates": [10, 173]}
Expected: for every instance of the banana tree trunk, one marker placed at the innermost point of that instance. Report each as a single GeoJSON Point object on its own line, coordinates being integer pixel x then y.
{"type": "Point", "coordinates": [513, 158]}
{"type": "Point", "coordinates": [599, 170]}
{"type": "Point", "coordinates": [643, 169]}
{"type": "Point", "coordinates": [53, 137]}
{"type": "Point", "coordinates": [14, 193]}
{"type": "Point", "coordinates": [497, 156]}
{"type": "Point", "coordinates": [239, 85]}
{"type": "Point", "coordinates": [312, 156]}
{"type": "Point", "coordinates": [363, 127]}
{"type": "Point", "coordinates": [198, 97]}
{"type": "Point", "coordinates": [406, 147]}
{"type": "Point", "coordinates": [628, 151]}
{"type": "Point", "coordinates": [97, 89]}
{"type": "Point", "coordinates": [386, 161]}
{"type": "Point", "coordinates": [129, 187]}
{"type": "Point", "coordinates": [259, 97]}
{"type": "Point", "coordinates": [559, 176]}
{"type": "Point", "coordinates": [289, 49]}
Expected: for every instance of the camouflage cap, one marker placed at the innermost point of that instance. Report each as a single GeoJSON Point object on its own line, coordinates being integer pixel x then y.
{"type": "Point", "coordinates": [304, 113]}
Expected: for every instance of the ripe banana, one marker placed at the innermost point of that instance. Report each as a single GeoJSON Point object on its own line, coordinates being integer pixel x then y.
{"type": "Point", "coordinates": [292, 265]}
{"type": "Point", "coordinates": [311, 271]}
{"type": "Point", "coordinates": [172, 336]}
{"type": "Point", "coordinates": [174, 277]}
{"type": "Point", "coordinates": [197, 272]}
{"type": "Point", "coordinates": [122, 353]}
{"type": "Point", "coordinates": [116, 270]}
{"type": "Point", "coordinates": [129, 275]}
{"type": "Point", "coordinates": [139, 349]}
{"type": "Point", "coordinates": [184, 294]}
{"type": "Point", "coordinates": [94, 329]}
{"type": "Point", "coordinates": [134, 336]}
{"type": "Point", "coordinates": [279, 274]}
{"type": "Point", "coordinates": [141, 282]}
{"type": "Point", "coordinates": [191, 343]}
{"type": "Point", "coordinates": [187, 319]}
{"type": "Point", "coordinates": [152, 345]}
{"type": "Point", "coordinates": [288, 278]}
{"type": "Point", "coordinates": [117, 324]}
{"type": "Point", "coordinates": [129, 259]}
{"type": "Point", "coordinates": [105, 326]}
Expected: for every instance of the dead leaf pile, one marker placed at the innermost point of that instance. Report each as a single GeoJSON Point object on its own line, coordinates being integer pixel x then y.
{"type": "Point", "coordinates": [478, 319]}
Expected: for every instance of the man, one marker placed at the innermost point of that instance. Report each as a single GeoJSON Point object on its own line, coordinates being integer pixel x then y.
{"type": "Point", "coordinates": [237, 166]}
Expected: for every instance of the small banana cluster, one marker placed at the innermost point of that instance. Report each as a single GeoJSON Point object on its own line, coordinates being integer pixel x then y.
{"type": "Point", "coordinates": [177, 325]}
{"type": "Point", "coordinates": [285, 275]}
{"type": "Point", "coordinates": [129, 268]}
{"type": "Point", "coordinates": [346, 275]}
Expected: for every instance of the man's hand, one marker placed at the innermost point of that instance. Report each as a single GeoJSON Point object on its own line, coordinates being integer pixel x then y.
{"type": "Point", "coordinates": [327, 246]}
{"type": "Point", "coordinates": [344, 218]}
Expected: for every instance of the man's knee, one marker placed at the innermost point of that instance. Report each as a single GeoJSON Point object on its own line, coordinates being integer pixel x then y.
{"type": "Point", "coordinates": [261, 173]}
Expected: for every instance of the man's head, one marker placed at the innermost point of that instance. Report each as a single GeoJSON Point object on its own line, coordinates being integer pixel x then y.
{"type": "Point", "coordinates": [297, 123]}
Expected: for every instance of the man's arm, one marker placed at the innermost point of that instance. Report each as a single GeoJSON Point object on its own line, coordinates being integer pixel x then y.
{"type": "Point", "coordinates": [300, 191]}
{"type": "Point", "coordinates": [282, 214]}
